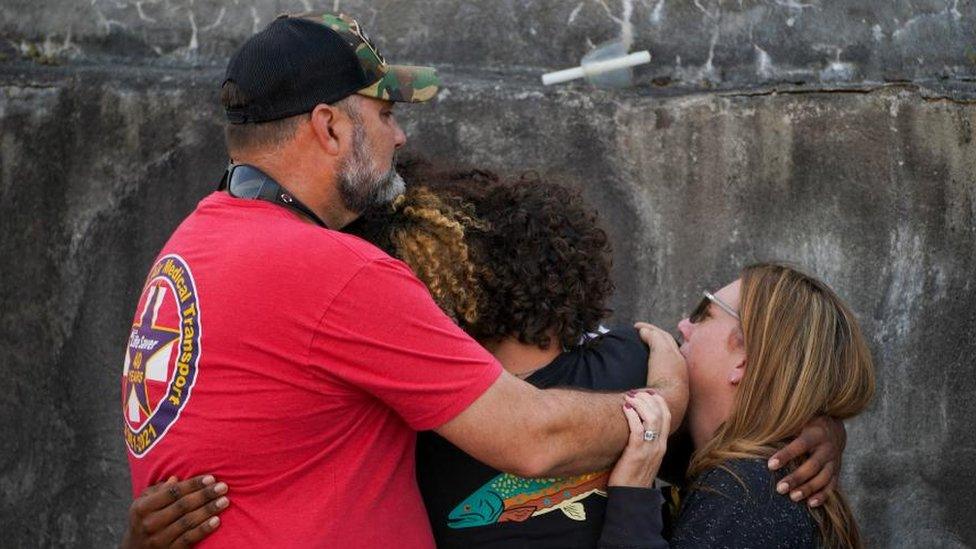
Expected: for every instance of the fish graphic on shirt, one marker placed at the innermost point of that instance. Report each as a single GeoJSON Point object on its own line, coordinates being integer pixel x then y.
{"type": "Point", "coordinates": [510, 498]}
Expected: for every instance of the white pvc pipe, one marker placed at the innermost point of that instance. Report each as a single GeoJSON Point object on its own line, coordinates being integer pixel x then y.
{"type": "Point", "coordinates": [597, 67]}
{"type": "Point", "coordinates": [564, 75]}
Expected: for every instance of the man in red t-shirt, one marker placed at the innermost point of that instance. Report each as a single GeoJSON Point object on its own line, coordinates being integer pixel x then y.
{"type": "Point", "coordinates": [297, 362]}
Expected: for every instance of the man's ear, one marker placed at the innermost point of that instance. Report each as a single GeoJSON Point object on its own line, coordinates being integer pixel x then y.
{"type": "Point", "coordinates": [331, 128]}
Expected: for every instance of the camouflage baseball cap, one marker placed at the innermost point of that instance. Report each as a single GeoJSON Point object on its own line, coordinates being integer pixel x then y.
{"type": "Point", "coordinates": [391, 82]}
{"type": "Point", "coordinates": [298, 62]}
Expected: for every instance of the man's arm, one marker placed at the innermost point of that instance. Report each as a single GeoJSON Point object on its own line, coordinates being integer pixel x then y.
{"type": "Point", "coordinates": [530, 432]}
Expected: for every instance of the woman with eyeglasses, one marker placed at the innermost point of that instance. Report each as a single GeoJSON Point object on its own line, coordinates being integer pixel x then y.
{"type": "Point", "coordinates": [765, 354]}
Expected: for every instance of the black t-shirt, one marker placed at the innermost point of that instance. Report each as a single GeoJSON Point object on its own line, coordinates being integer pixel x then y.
{"type": "Point", "coordinates": [473, 505]}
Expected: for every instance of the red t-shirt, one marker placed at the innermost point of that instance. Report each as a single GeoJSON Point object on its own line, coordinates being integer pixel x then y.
{"type": "Point", "coordinates": [294, 363]}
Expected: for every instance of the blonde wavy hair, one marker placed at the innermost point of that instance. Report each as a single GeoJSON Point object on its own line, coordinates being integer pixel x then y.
{"type": "Point", "coordinates": [805, 357]}
{"type": "Point", "coordinates": [428, 234]}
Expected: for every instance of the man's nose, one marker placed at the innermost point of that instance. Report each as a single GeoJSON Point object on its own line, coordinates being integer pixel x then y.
{"type": "Point", "coordinates": [400, 138]}
{"type": "Point", "coordinates": [685, 328]}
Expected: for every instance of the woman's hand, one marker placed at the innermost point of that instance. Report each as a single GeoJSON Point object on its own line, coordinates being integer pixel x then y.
{"type": "Point", "coordinates": [176, 513]}
{"type": "Point", "coordinates": [646, 413]}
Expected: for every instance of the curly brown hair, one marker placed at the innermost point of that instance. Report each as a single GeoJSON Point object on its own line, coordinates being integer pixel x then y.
{"type": "Point", "coordinates": [544, 263]}
{"type": "Point", "coordinates": [519, 258]}
{"type": "Point", "coordinates": [427, 232]}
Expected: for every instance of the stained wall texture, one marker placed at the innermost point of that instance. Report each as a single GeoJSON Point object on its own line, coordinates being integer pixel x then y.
{"type": "Point", "coordinates": [836, 134]}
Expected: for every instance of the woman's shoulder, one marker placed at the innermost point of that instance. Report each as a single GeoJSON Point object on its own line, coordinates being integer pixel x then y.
{"type": "Point", "coordinates": [750, 483]}
{"type": "Point", "coordinates": [738, 499]}
{"type": "Point", "coordinates": [612, 360]}
{"type": "Point", "coordinates": [621, 336]}
{"type": "Point", "coordinates": [739, 477]}
{"type": "Point", "coordinates": [620, 345]}
{"type": "Point", "coordinates": [619, 357]}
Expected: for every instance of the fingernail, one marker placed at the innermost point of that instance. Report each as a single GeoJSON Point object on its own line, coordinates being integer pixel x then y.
{"type": "Point", "coordinates": [782, 488]}
{"type": "Point", "coordinates": [796, 495]}
{"type": "Point", "coordinates": [222, 502]}
{"type": "Point", "coordinates": [627, 405]}
{"type": "Point", "coordinates": [631, 393]}
{"type": "Point", "coordinates": [208, 480]}
{"type": "Point", "coordinates": [650, 391]}
{"type": "Point", "coordinates": [814, 502]}
{"type": "Point", "coordinates": [773, 463]}
{"type": "Point", "coordinates": [220, 488]}
{"type": "Point", "coordinates": [214, 522]}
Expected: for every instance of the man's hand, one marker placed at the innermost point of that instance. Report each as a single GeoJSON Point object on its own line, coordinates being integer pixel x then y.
{"type": "Point", "coordinates": [822, 441]}
{"type": "Point", "coordinates": [667, 372]}
{"type": "Point", "coordinates": [176, 513]}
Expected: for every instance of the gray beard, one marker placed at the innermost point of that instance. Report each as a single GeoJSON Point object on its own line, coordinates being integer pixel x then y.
{"type": "Point", "coordinates": [359, 187]}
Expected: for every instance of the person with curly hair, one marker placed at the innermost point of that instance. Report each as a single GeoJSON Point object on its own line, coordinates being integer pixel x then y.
{"type": "Point", "coordinates": [523, 266]}
{"type": "Point", "coordinates": [430, 234]}
{"type": "Point", "coordinates": [529, 253]}
{"type": "Point", "coordinates": [543, 270]}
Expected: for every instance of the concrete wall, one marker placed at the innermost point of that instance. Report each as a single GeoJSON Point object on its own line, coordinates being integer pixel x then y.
{"type": "Point", "coordinates": [835, 134]}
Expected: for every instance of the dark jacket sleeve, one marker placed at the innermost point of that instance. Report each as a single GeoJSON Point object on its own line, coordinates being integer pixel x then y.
{"type": "Point", "coordinates": [633, 519]}
{"type": "Point", "coordinates": [729, 507]}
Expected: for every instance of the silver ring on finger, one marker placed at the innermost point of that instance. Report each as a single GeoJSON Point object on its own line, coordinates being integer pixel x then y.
{"type": "Point", "coordinates": [650, 435]}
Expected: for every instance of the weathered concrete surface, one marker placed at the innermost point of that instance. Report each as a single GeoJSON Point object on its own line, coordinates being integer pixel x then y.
{"type": "Point", "coordinates": [94, 176]}
{"type": "Point", "coordinates": [695, 44]}
{"type": "Point", "coordinates": [868, 185]}
{"type": "Point", "coordinates": [872, 191]}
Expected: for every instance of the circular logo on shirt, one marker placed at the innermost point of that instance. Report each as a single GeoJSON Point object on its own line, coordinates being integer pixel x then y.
{"type": "Point", "coordinates": [161, 357]}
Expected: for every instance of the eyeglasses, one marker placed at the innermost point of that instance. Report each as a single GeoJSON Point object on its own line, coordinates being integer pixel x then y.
{"type": "Point", "coordinates": [701, 311]}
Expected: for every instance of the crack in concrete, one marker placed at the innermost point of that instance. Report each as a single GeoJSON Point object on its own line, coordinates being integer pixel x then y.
{"type": "Point", "coordinates": [217, 21]}
{"type": "Point", "coordinates": [948, 99]}
{"type": "Point", "coordinates": [924, 93]}
{"type": "Point", "coordinates": [794, 5]}
{"type": "Point", "coordinates": [142, 14]}
{"type": "Point", "coordinates": [574, 13]}
{"type": "Point", "coordinates": [958, 90]}
{"type": "Point", "coordinates": [658, 14]}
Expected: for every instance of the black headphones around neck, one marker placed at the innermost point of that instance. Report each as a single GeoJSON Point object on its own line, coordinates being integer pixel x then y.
{"type": "Point", "coordinates": [247, 182]}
